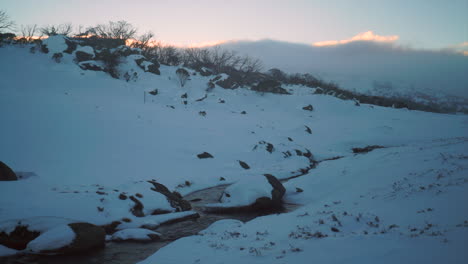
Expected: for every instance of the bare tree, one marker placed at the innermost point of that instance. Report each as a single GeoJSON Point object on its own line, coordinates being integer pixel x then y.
{"type": "Point", "coordinates": [146, 43]}
{"type": "Point", "coordinates": [119, 30]}
{"type": "Point", "coordinates": [61, 29]}
{"type": "Point", "coordinates": [5, 22]}
{"type": "Point", "coordinates": [28, 32]}
{"type": "Point", "coordinates": [182, 75]}
{"type": "Point", "coordinates": [169, 55]}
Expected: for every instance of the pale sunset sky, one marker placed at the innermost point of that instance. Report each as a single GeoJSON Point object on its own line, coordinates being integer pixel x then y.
{"type": "Point", "coordinates": [422, 24]}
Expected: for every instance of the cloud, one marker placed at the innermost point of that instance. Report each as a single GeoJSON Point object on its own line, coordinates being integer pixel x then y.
{"type": "Point", "coordinates": [460, 48]}
{"type": "Point", "coordinates": [364, 36]}
{"type": "Point", "coordinates": [362, 64]}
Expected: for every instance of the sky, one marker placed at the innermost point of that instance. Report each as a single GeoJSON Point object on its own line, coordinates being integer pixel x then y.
{"type": "Point", "coordinates": [422, 24]}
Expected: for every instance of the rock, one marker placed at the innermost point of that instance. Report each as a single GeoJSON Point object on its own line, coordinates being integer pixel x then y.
{"type": "Point", "coordinates": [83, 56]}
{"type": "Point", "coordinates": [250, 195]}
{"type": "Point", "coordinates": [308, 108]}
{"type": "Point", "coordinates": [244, 165]}
{"type": "Point", "coordinates": [278, 189]}
{"type": "Point", "coordinates": [87, 237]}
{"type": "Point", "coordinates": [19, 238]}
{"type": "Point", "coordinates": [152, 67]}
{"type": "Point", "coordinates": [137, 209]}
{"type": "Point", "coordinates": [228, 83]}
{"type": "Point", "coordinates": [90, 65]}
{"type": "Point", "coordinates": [366, 149]}
{"type": "Point", "coordinates": [205, 155]}
{"type": "Point", "coordinates": [6, 173]}
{"type": "Point", "coordinates": [174, 200]}
{"type": "Point", "coordinates": [270, 86]}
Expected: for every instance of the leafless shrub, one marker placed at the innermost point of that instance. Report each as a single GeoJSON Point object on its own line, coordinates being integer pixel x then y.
{"type": "Point", "coordinates": [28, 32]}
{"type": "Point", "coordinates": [61, 29]}
{"type": "Point", "coordinates": [5, 22]}
{"type": "Point", "coordinates": [183, 76]}
{"type": "Point", "coordinates": [118, 30]}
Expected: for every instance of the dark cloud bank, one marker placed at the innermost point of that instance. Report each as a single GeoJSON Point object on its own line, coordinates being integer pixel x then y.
{"type": "Point", "coordinates": [368, 66]}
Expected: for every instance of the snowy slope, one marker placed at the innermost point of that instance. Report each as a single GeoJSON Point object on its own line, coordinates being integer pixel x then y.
{"type": "Point", "coordinates": [84, 133]}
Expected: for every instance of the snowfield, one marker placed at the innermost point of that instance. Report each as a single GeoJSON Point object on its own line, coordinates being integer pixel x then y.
{"type": "Point", "coordinates": [85, 138]}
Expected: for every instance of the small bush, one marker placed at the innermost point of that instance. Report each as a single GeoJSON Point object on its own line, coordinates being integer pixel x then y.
{"type": "Point", "coordinates": [183, 76]}
{"type": "Point", "coordinates": [57, 57]}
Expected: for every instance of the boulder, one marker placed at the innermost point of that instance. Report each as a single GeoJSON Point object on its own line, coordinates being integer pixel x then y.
{"type": "Point", "coordinates": [87, 237]}
{"type": "Point", "coordinates": [270, 86]}
{"type": "Point", "coordinates": [172, 197]}
{"type": "Point", "coordinates": [6, 173]}
{"type": "Point", "coordinates": [19, 238]}
{"type": "Point", "coordinates": [204, 155]}
{"type": "Point", "coordinates": [308, 108]}
{"type": "Point", "coordinates": [83, 56]}
{"type": "Point", "coordinates": [46, 235]}
{"type": "Point", "coordinates": [255, 194]}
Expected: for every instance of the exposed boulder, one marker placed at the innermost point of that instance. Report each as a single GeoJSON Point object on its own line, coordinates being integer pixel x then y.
{"type": "Point", "coordinates": [81, 55]}
{"type": "Point", "coordinates": [91, 65]}
{"type": "Point", "coordinates": [308, 108]}
{"type": "Point", "coordinates": [366, 149]}
{"type": "Point", "coordinates": [19, 238]}
{"type": "Point", "coordinates": [258, 193]}
{"type": "Point", "coordinates": [51, 235]}
{"type": "Point", "coordinates": [87, 237]}
{"type": "Point", "coordinates": [278, 189]}
{"type": "Point", "coordinates": [148, 66]}
{"type": "Point", "coordinates": [270, 86]}
{"type": "Point", "coordinates": [204, 155]}
{"type": "Point", "coordinates": [6, 173]}
{"type": "Point", "coordinates": [228, 83]}
{"type": "Point", "coordinates": [174, 200]}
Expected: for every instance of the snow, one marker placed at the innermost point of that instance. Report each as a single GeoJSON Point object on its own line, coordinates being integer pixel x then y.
{"type": "Point", "coordinates": [245, 192]}
{"type": "Point", "coordinates": [4, 251]}
{"type": "Point", "coordinates": [134, 234]}
{"type": "Point", "coordinates": [55, 44]}
{"type": "Point", "coordinates": [89, 138]}
{"type": "Point", "coordinates": [38, 223]}
{"type": "Point", "coordinates": [85, 49]}
{"type": "Point", "coordinates": [398, 220]}
{"type": "Point", "coordinates": [54, 238]}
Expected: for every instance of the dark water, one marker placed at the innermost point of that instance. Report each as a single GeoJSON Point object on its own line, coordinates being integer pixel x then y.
{"type": "Point", "coordinates": [133, 252]}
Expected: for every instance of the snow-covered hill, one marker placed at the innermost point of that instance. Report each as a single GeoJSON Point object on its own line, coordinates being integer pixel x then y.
{"type": "Point", "coordinates": [87, 137]}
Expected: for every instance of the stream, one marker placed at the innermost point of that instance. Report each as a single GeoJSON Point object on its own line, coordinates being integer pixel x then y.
{"type": "Point", "coordinates": [132, 252]}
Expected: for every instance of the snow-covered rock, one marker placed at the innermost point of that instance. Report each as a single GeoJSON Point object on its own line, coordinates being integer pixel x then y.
{"type": "Point", "coordinates": [53, 239]}
{"type": "Point", "coordinates": [257, 192]}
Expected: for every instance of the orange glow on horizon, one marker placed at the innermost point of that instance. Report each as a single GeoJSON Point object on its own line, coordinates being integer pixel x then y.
{"type": "Point", "coordinates": [364, 36]}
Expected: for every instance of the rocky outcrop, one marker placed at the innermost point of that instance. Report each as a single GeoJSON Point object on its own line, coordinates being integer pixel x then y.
{"type": "Point", "coordinates": [204, 155]}
{"type": "Point", "coordinates": [173, 198]}
{"type": "Point", "coordinates": [6, 173]}
{"type": "Point", "coordinates": [87, 237]}
{"type": "Point", "coordinates": [19, 238]}
{"type": "Point", "coordinates": [366, 149]}
{"type": "Point", "coordinates": [270, 86]}
{"type": "Point", "coordinates": [308, 108]}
